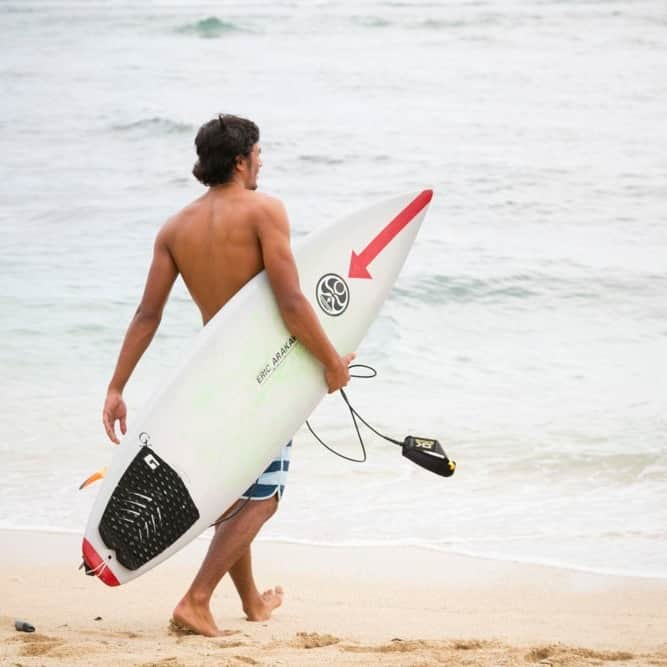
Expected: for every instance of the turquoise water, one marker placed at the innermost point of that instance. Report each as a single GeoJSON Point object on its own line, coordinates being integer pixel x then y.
{"type": "Point", "coordinates": [528, 330]}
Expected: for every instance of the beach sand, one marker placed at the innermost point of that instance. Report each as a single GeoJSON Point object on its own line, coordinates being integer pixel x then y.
{"type": "Point", "coordinates": [343, 606]}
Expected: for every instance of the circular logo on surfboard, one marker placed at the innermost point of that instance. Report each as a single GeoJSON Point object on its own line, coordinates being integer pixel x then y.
{"type": "Point", "coordinates": [333, 294]}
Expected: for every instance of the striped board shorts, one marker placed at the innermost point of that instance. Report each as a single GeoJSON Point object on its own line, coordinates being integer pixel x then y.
{"type": "Point", "coordinates": [272, 481]}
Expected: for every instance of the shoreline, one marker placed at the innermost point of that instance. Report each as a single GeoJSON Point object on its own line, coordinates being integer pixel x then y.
{"type": "Point", "coordinates": [407, 544]}
{"type": "Point", "coordinates": [343, 605]}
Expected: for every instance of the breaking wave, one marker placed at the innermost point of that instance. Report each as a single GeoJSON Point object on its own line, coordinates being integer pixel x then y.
{"type": "Point", "coordinates": [209, 28]}
{"type": "Point", "coordinates": [155, 125]}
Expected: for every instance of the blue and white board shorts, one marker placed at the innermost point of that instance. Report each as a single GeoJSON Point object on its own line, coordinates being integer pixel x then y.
{"type": "Point", "coordinates": [272, 481]}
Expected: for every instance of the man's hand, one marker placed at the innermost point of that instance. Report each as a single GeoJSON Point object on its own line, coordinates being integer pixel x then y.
{"type": "Point", "coordinates": [114, 410]}
{"type": "Point", "coordinates": [338, 375]}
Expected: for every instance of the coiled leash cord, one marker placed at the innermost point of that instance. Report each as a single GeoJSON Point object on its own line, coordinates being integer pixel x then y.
{"type": "Point", "coordinates": [355, 415]}
{"type": "Point", "coordinates": [425, 452]}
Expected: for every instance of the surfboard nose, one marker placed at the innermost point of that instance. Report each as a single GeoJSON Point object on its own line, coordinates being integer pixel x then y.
{"type": "Point", "coordinates": [95, 565]}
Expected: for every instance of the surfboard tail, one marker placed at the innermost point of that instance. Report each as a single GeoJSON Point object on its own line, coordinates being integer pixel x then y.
{"type": "Point", "coordinates": [95, 565]}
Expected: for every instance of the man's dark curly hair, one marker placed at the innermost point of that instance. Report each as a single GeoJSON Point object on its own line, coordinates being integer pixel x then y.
{"type": "Point", "coordinates": [219, 142]}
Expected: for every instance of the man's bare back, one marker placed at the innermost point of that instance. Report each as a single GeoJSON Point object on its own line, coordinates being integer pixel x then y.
{"type": "Point", "coordinates": [214, 243]}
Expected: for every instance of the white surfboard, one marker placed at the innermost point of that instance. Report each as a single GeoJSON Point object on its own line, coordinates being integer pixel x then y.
{"type": "Point", "coordinates": [244, 389]}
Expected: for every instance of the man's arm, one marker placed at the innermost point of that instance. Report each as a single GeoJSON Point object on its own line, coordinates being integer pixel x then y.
{"type": "Point", "coordinates": [144, 324]}
{"type": "Point", "coordinates": [295, 309]}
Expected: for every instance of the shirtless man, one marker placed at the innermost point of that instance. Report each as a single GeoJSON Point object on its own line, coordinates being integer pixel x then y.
{"type": "Point", "coordinates": [218, 243]}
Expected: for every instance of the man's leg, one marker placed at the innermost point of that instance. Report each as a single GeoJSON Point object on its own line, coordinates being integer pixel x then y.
{"type": "Point", "coordinates": [231, 541]}
{"type": "Point", "coordinates": [257, 606]}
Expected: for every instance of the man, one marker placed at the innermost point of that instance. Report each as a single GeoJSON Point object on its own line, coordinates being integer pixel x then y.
{"type": "Point", "coordinates": [217, 244]}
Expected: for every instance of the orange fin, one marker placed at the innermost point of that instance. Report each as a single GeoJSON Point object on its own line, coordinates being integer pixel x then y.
{"type": "Point", "coordinates": [94, 477]}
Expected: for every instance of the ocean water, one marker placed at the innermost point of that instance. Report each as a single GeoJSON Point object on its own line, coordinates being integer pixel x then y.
{"type": "Point", "coordinates": [528, 330]}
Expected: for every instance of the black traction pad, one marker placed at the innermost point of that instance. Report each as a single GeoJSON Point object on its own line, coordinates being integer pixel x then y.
{"type": "Point", "coordinates": [148, 511]}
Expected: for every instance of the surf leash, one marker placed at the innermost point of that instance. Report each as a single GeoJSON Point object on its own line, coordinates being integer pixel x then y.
{"type": "Point", "coordinates": [227, 517]}
{"type": "Point", "coordinates": [425, 452]}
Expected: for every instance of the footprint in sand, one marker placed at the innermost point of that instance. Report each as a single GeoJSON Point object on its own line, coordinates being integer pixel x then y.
{"type": "Point", "coordinates": [165, 662]}
{"type": "Point", "coordinates": [178, 630]}
{"type": "Point", "coordinates": [313, 640]}
{"type": "Point", "coordinates": [38, 644]}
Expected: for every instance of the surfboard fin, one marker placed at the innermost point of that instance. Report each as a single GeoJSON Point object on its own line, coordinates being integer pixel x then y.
{"type": "Point", "coordinates": [93, 478]}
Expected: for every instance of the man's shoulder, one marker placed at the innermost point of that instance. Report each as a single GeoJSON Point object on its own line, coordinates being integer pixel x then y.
{"type": "Point", "coordinates": [188, 212]}
{"type": "Point", "coordinates": [268, 212]}
{"type": "Point", "coordinates": [266, 202]}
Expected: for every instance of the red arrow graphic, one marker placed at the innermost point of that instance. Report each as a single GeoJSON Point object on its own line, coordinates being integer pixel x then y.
{"type": "Point", "coordinates": [359, 263]}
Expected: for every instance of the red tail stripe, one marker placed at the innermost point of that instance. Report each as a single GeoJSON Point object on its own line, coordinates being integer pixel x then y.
{"type": "Point", "coordinates": [95, 562]}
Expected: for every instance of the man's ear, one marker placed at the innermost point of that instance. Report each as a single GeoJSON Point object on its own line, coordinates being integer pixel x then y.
{"type": "Point", "coordinates": [239, 163]}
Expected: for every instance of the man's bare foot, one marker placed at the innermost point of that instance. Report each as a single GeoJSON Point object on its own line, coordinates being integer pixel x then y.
{"type": "Point", "coordinates": [197, 619]}
{"type": "Point", "coordinates": [261, 608]}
